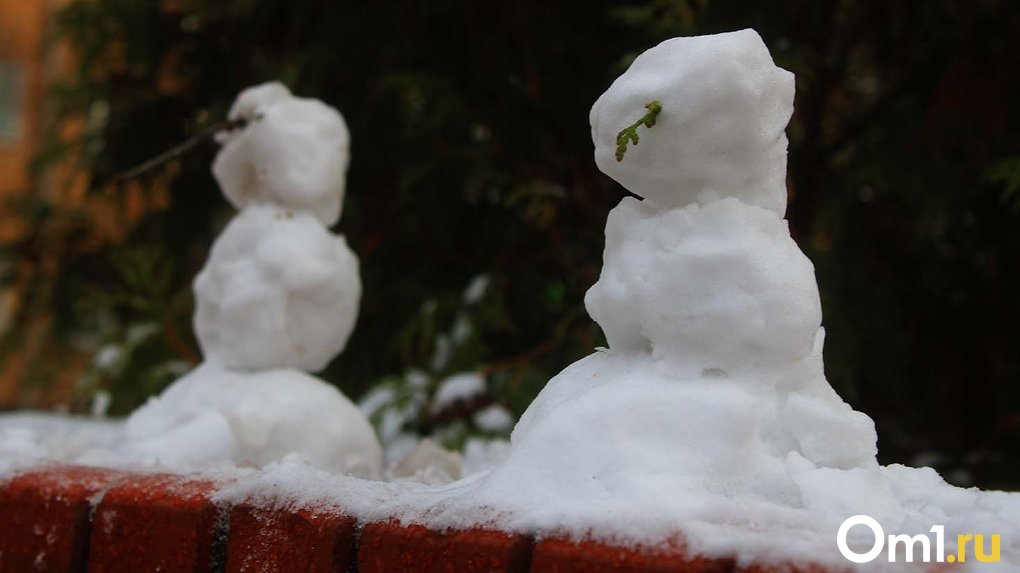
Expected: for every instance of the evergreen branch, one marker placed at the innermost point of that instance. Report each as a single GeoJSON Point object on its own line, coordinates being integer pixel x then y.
{"type": "Point", "coordinates": [629, 134]}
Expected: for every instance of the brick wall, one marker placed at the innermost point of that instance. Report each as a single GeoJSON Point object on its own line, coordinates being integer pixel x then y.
{"type": "Point", "coordinates": [76, 519]}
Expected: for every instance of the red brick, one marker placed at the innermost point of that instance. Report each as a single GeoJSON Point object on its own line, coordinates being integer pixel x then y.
{"type": "Point", "coordinates": [792, 568]}
{"type": "Point", "coordinates": [566, 556]}
{"type": "Point", "coordinates": [393, 548]}
{"type": "Point", "coordinates": [302, 540]}
{"type": "Point", "coordinates": [44, 518]}
{"type": "Point", "coordinates": [154, 523]}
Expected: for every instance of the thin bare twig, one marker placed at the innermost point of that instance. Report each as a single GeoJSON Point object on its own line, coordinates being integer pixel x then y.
{"type": "Point", "coordinates": [180, 149]}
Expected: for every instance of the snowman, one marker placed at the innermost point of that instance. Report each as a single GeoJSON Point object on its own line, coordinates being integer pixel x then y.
{"type": "Point", "coordinates": [710, 405]}
{"type": "Point", "coordinates": [277, 299]}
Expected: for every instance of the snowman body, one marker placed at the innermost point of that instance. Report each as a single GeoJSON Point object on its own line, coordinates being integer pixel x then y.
{"type": "Point", "coordinates": [278, 291]}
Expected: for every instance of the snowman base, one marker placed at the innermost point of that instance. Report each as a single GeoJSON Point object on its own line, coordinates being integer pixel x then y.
{"type": "Point", "coordinates": [215, 416]}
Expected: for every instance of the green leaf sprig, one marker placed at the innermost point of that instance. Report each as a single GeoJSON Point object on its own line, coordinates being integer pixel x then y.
{"type": "Point", "coordinates": [629, 134]}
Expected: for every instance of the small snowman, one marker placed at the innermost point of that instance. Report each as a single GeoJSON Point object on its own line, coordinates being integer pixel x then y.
{"type": "Point", "coordinates": [703, 275]}
{"type": "Point", "coordinates": [711, 397]}
{"type": "Point", "coordinates": [277, 298]}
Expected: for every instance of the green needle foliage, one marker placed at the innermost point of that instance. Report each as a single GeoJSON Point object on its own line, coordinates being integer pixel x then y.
{"type": "Point", "coordinates": [629, 134]}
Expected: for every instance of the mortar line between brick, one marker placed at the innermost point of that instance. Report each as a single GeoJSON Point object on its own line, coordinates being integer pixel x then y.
{"type": "Point", "coordinates": [81, 543]}
{"type": "Point", "coordinates": [220, 538]}
{"type": "Point", "coordinates": [88, 517]}
{"type": "Point", "coordinates": [352, 565]}
{"type": "Point", "coordinates": [529, 553]}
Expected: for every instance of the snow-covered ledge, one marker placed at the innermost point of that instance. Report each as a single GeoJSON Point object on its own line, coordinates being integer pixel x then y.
{"type": "Point", "coordinates": [75, 519]}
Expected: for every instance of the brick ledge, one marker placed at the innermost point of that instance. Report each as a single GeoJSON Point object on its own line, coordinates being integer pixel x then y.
{"type": "Point", "coordinates": [72, 519]}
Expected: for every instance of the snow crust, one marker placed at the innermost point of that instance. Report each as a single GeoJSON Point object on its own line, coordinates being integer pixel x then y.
{"type": "Point", "coordinates": [293, 152]}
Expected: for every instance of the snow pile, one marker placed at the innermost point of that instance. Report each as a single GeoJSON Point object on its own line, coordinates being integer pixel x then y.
{"type": "Point", "coordinates": [278, 296]}
{"type": "Point", "coordinates": [28, 439]}
{"type": "Point", "coordinates": [215, 417]}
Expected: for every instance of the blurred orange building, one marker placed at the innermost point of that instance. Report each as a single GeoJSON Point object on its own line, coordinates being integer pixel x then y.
{"type": "Point", "coordinates": [26, 68]}
{"type": "Point", "coordinates": [22, 76]}
{"type": "Point", "coordinates": [38, 370]}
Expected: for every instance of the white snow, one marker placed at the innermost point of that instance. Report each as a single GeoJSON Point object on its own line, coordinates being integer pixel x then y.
{"type": "Point", "coordinates": [215, 416]}
{"type": "Point", "coordinates": [100, 404]}
{"type": "Point", "coordinates": [294, 153]}
{"type": "Point", "coordinates": [427, 463]}
{"type": "Point", "coordinates": [278, 291]}
{"type": "Point", "coordinates": [725, 107]}
{"type": "Point", "coordinates": [28, 439]}
{"type": "Point", "coordinates": [476, 289]}
{"type": "Point", "coordinates": [108, 357]}
{"type": "Point", "coordinates": [494, 418]}
{"type": "Point", "coordinates": [459, 387]}
{"type": "Point", "coordinates": [718, 287]}
{"type": "Point", "coordinates": [483, 455]}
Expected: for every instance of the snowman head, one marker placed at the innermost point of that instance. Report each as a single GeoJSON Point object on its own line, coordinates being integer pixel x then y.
{"type": "Point", "coordinates": [719, 132]}
{"type": "Point", "coordinates": [291, 151]}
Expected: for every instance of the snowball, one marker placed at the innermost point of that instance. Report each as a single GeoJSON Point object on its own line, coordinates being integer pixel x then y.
{"type": "Point", "coordinates": [215, 416]}
{"type": "Point", "coordinates": [293, 152]}
{"type": "Point", "coordinates": [715, 288]}
{"type": "Point", "coordinates": [719, 132]}
{"type": "Point", "coordinates": [278, 291]}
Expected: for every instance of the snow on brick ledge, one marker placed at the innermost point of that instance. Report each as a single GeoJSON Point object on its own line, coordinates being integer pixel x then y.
{"type": "Point", "coordinates": [75, 519]}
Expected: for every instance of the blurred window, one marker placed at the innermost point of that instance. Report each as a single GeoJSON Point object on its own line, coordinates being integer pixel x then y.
{"type": "Point", "coordinates": [11, 89]}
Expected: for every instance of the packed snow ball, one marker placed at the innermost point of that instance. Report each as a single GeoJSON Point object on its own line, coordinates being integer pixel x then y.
{"type": "Point", "coordinates": [291, 151]}
{"type": "Point", "coordinates": [278, 291]}
{"type": "Point", "coordinates": [714, 289]}
{"type": "Point", "coordinates": [724, 106]}
{"type": "Point", "coordinates": [219, 417]}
